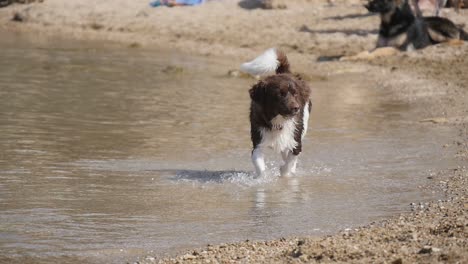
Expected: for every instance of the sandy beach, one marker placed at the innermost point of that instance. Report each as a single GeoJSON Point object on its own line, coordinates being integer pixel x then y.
{"type": "Point", "coordinates": [312, 33]}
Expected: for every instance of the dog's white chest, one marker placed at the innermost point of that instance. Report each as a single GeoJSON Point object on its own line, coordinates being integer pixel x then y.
{"type": "Point", "coordinates": [281, 136]}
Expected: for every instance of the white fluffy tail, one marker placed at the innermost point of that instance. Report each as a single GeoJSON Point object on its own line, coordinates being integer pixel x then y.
{"type": "Point", "coordinates": [269, 62]}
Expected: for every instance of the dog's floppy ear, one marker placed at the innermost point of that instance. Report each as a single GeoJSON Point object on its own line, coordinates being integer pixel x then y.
{"type": "Point", "coordinates": [257, 92]}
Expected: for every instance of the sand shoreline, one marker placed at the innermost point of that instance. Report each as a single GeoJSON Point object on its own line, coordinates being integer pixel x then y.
{"type": "Point", "coordinates": [434, 78]}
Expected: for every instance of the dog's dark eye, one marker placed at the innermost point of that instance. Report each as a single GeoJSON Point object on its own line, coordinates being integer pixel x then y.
{"type": "Point", "coordinates": [283, 93]}
{"type": "Point", "coordinates": [291, 88]}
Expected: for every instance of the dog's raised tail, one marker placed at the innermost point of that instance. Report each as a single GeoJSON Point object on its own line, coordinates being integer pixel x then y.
{"type": "Point", "coordinates": [271, 61]}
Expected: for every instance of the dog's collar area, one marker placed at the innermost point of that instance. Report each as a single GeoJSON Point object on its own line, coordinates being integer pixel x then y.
{"type": "Point", "coordinates": [278, 122]}
{"type": "Point", "coordinates": [276, 127]}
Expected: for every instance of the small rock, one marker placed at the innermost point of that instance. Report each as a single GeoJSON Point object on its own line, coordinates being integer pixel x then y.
{"type": "Point", "coordinates": [404, 250]}
{"type": "Point", "coordinates": [296, 253]}
{"type": "Point", "coordinates": [188, 257]}
{"type": "Point", "coordinates": [17, 17]}
{"type": "Point", "coordinates": [96, 26]}
{"type": "Point", "coordinates": [150, 258]}
{"type": "Point", "coordinates": [435, 250]}
{"type": "Point", "coordinates": [304, 258]}
{"type": "Point", "coordinates": [142, 14]}
{"type": "Point", "coordinates": [425, 250]}
{"type": "Point", "coordinates": [134, 45]}
{"type": "Point", "coordinates": [266, 4]}
{"type": "Point", "coordinates": [173, 70]}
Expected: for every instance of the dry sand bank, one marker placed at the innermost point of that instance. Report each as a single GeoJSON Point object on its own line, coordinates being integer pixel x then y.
{"type": "Point", "coordinates": [220, 28]}
{"type": "Point", "coordinates": [434, 79]}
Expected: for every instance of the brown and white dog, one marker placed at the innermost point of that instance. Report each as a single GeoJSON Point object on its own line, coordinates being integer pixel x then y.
{"type": "Point", "coordinates": [279, 110]}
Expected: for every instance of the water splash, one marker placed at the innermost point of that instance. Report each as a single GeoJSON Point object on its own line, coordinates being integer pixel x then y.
{"type": "Point", "coordinates": [240, 178]}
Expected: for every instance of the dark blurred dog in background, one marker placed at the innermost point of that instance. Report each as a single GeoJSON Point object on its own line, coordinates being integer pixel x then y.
{"type": "Point", "coordinates": [436, 5]}
{"type": "Point", "coordinates": [402, 29]}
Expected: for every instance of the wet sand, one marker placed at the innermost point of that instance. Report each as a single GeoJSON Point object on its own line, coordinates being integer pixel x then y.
{"type": "Point", "coordinates": [434, 79]}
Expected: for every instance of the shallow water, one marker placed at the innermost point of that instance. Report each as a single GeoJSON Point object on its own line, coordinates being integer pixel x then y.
{"type": "Point", "coordinates": [110, 153]}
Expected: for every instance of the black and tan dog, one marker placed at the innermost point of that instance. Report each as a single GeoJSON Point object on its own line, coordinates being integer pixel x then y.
{"type": "Point", "coordinates": [401, 29]}
{"type": "Point", "coordinates": [441, 29]}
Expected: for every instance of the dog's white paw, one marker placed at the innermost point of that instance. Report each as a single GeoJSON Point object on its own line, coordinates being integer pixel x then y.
{"type": "Point", "coordinates": [259, 175]}
{"type": "Point", "coordinates": [285, 171]}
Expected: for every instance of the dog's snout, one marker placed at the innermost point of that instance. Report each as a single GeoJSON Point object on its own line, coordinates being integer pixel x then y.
{"type": "Point", "coordinates": [295, 108]}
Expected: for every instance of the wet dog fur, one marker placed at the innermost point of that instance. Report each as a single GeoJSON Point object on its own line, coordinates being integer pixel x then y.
{"type": "Point", "coordinates": [279, 111]}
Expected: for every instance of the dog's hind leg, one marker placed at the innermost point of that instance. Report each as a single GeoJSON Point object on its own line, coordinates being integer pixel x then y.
{"type": "Point", "coordinates": [258, 161]}
{"type": "Point", "coordinates": [290, 163]}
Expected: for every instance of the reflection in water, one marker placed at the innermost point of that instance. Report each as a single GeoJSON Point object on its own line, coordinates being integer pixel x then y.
{"type": "Point", "coordinates": [260, 198]}
{"type": "Point", "coordinates": [107, 155]}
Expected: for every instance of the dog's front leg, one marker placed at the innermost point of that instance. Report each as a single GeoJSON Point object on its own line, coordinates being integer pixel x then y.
{"type": "Point", "coordinates": [290, 163]}
{"type": "Point", "coordinates": [258, 161]}
{"type": "Point", "coordinates": [284, 155]}
{"type": "Point", "coordinates": [381, 42]}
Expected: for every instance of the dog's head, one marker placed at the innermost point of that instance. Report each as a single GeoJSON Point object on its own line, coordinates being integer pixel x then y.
{"type": "Point", "coordinates": [278, 95]}
{"type": "Point", "coordinates": [384, 6]}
